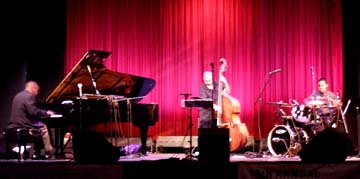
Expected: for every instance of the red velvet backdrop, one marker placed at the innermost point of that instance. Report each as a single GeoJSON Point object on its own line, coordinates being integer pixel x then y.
{"type": "Point", "coordinates": [174, 41]}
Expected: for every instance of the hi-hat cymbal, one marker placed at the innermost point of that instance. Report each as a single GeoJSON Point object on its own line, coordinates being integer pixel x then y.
{"type": "Point", "coordinates": [316, 101]}
{"type": "Point", "coordinates": [281, 104]}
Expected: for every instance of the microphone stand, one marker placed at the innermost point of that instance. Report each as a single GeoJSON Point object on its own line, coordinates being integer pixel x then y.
{"type": "Point", "coordinates": [212, 122]}
{"type": "Point", "coordinates": [80, 85]}
{"type": "Point", "coordinates": [259, 102]}
{"type": "Point", "coordinates": [358, 124]}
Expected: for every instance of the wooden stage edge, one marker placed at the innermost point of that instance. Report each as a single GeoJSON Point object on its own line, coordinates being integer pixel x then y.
{"type": "Point", "coordinates": [176, 165]}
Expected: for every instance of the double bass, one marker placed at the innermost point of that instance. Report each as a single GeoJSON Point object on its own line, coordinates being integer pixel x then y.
{"type": "Point", "coordinates": [228, 115]}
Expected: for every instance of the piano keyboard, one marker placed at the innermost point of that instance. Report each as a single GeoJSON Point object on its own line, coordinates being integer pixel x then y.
{"type": "Point", "coordinates": [56, 116]}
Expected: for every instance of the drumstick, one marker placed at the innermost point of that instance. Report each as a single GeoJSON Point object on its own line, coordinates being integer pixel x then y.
{"type": "Point", "coordinates": [343, 115]}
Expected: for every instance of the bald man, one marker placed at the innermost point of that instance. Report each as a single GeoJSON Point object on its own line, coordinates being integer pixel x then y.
{"type": "Point", "coordinates": [209, 89]}
{"type": "Point", "coordinates": [25, 115]}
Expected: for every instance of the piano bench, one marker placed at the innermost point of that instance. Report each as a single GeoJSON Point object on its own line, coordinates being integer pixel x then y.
{"type": "Point", "coordinates": [20, 137]}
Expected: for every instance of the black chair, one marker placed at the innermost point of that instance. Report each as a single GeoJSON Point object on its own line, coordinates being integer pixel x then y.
{"type": "Point", "coordinates": [21, 137]}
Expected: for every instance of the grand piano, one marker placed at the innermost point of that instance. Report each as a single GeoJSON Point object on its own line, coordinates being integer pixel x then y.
{"type": "Point", "coordinates": [91, 95]}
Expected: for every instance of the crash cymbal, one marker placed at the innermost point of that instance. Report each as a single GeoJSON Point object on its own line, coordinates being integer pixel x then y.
{"type": "Point", "coordinates": [316, 101]}
{"type": "Point", "coordinates": [280, 103]}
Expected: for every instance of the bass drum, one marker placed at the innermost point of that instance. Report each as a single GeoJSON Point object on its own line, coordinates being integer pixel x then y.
{"type": "Point", "coordinates": [283, 140]}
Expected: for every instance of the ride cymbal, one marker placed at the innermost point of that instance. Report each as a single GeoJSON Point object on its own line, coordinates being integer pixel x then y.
{"type": "Point", "coordinates": [316, 101]}
{"type": "Point", "coordinates": [281, 104]}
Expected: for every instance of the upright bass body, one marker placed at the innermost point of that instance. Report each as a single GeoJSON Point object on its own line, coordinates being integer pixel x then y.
{"type": "Point", "coordinates": [228, 115]}
{"type": "Point", "coordinates": [238, 131]}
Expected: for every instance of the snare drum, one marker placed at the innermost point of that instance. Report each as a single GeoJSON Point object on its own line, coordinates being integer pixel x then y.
{"type": "Point", "coordinates": [282, 139]}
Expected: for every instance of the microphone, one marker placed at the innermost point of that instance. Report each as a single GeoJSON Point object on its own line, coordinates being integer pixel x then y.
{"type": "Point", "coordinates": [275, 71]}
{"type": "Point", "coordinates": [80, 85]}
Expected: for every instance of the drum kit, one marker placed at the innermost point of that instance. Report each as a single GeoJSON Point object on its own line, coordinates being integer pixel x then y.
{"type": "Point", "coordinates": [303, 123]}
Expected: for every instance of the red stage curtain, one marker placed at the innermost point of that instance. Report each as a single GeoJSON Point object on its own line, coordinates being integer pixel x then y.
{"type": "Point", "coordinates": [174, 41]}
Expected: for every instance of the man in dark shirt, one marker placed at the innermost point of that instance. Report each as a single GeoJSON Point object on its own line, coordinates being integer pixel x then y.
{"type": "Point", "coordinates": [25, 115]}
{"type": "Point", "coordinates": [209, 90]}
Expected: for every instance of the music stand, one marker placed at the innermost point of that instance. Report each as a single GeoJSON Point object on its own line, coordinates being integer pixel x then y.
{"type": "Point", "coordinates": [186, 96]}
{"type": "Point", "coordinates": [195, 102]}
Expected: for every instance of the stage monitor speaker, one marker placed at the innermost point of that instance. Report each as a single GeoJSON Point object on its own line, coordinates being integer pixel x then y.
{"type": "Point", "coordinates": [92, 147]}
{"type": "Point", "coordinates": [332, 145]}
{"type": "Point", "coordinates": [213, 145]}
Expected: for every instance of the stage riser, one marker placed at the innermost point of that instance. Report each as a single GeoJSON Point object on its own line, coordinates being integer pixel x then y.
{"type": "Point", "coordinates": [179, 169]}
{"type": "Point", "coordinates": [170, 144]}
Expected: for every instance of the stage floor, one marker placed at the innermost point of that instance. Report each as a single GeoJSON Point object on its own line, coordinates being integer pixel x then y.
{"type": "Point", "coordinates": [178, 165]}
{"type": "Point", "coordinates": [234, 157]}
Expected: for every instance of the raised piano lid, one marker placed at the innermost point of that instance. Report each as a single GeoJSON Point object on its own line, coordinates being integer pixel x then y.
{"type": "Point", "coordinates": [107, 82]}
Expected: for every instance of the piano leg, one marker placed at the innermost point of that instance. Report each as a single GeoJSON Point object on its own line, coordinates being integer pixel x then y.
{"type": "Point", "coordinates": [143, 138]}
{"type": "Point", "coordinates": [59, 142]}
{"type": "Point", "coordinates": [61, 145]}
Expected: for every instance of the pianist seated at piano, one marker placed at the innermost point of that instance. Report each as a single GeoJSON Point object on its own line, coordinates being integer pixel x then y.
{"type": "Point", "coordinates": [25, 114]}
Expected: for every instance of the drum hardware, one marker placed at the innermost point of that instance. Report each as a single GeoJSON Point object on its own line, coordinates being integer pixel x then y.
{"type": "Point", "coordinates": [295, 102]}
{"type": "Point", "coordinates": [282, 112]}
{"type": "Point", "coordinates": [292, 150]}
{"type": "Point", "coordinates": [296, 146]}
{"type": "Point", "coordinates": [285, 141]}
{"type": "Point", "coordinates": [277, 139]}
{"type": "Point", "coordinates": [286, 120]}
